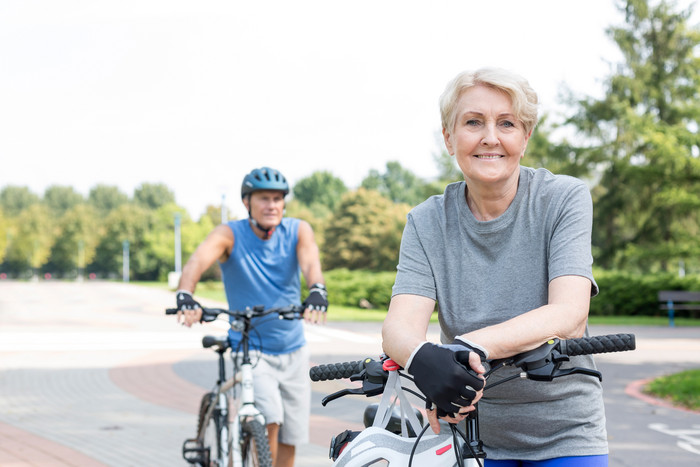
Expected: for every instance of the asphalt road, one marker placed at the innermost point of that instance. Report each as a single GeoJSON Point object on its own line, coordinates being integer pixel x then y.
{"type": "Point", "coordinates": [94, 374]}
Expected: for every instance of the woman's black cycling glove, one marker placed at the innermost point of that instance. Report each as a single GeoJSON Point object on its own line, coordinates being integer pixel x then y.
{"type": "Point", "coordinates": [444, 376]}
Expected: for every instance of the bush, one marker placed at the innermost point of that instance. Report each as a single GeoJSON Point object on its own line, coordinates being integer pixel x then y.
{"type": "Point", "coordinates": [621, 293]}
{"type": "Point", "coordinates": [353, 288]}
{"type": "Point", "coordinates": [625, 294]}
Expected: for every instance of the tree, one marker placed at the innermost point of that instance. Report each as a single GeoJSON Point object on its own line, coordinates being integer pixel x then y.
{"type": "Point", "coordinates": [77, 242]}
{"type": "Point", "coordinates": [15, 199]}
{"type": "Point", "coordinates": [644, 142]}
{"type": "Point", "coordinates": [364, 232]}
{"type": "Point", "coordinates": [60, 199]}
{"type": "Point", "coordinates": [319, 188]}
{"type": "Point", "coordinates": [4, 235]}
{"type": "Point", "coordinates": [398, 184]}
{"type": "Point", "coordinates": [128, 222]}
{"type": "Point", "coordinates": [559, 158]}
{"type": "Point", "coordinates": [34, 237]}
{"type": "Point", "coordinates": [106, 198]}
{"type": "Point", "coordinates": [153, 195]}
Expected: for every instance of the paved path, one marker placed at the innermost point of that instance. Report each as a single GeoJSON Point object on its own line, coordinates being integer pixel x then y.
{"type": "Point", "coordinates": [93, 374]}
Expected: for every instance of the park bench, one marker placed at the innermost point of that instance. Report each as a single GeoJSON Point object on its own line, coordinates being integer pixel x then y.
{"type": "Point", "coordinates": [673, 300]}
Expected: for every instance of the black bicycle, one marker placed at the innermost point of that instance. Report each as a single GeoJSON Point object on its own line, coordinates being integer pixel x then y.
{"type": "Point", "coordinates": [215, 444]}
{"type": "Point", "coordinates": [395, 433]}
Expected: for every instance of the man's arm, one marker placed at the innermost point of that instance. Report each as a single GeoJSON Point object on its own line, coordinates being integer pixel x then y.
{"type": "Point", "coordinates": [310, 265]}
{"type": "Point", "coordinates": [217, 245]}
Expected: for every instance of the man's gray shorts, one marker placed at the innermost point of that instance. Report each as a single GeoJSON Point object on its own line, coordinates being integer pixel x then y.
{"type": "Point", "coordinates": [283, 392]}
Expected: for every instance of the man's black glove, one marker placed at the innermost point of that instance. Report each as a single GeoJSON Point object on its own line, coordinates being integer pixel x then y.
{"type": "Point", "coordinates": [185, 301]}
{"type": "Point", "coordinates": [444, 376]}
{"type": "Point", "coordinates": [317, 299]}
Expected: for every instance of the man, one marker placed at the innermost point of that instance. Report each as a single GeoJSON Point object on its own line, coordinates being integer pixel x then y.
{"type": "Point", "coordinates": [260, 259]}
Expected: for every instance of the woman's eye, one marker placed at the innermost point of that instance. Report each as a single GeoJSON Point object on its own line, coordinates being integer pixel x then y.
{"type": "Point", "coordinates": [508, 124]}
{"type": "Point", "coordinates": [473, 122]}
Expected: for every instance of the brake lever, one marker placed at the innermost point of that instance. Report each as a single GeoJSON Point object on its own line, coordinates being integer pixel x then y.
{"type": "Point", "coordinates": [339, 394]}
{"type": "Point", "coordinates": [373, 381]}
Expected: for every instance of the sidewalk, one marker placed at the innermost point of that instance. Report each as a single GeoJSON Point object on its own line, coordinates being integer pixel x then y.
{"type": "Point", "coordinates": [94, 374]}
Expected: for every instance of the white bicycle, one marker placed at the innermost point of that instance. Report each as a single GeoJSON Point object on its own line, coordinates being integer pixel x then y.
{"type": "Point", "coordinates": [395, 434]}
{"type": "Point", "coordinates": [246, 444]}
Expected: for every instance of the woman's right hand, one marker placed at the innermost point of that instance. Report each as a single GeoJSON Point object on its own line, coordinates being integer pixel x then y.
{"type": "Point", "coordinates": [449, 377]}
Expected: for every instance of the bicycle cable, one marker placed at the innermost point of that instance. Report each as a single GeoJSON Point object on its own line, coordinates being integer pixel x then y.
{"type": "Point", "coordinates": [415, 445]}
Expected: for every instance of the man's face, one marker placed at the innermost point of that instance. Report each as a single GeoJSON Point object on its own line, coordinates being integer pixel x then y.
{"type": "Point", "coordinates": [266, 207]}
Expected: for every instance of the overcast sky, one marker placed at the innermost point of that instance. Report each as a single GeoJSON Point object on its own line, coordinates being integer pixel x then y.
{"type": "Point", "coordinates": [195, 94]}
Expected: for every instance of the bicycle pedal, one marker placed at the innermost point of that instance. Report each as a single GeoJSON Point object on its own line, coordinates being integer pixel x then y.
{"type": "Point", "coordinates": [194, 453]}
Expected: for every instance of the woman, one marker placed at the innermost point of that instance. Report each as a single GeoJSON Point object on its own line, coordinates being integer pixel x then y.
{"type": "Point", "coordinates": [507, 256]}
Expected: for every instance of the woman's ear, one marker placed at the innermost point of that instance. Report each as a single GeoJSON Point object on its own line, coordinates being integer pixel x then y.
{"type": "Point", "coordinates": [448, 143]}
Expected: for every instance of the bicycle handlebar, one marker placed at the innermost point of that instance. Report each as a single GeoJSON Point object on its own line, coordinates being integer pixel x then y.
{"type": "Point", "coordinates": [597, 344]}
{"type": "Point", "coordinates": [210, 314]}
{"type": "Point", "coordinates": [567, 348]}
{"type": "Point", "coordinates": [335, 370]}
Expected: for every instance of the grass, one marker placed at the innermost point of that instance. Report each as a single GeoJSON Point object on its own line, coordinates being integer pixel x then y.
{"type": "Point", "coordinates": [681, 389]}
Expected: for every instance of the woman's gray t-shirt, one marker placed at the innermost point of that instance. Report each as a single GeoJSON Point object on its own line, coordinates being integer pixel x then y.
{"type": "Point", "coordinates": [484, 273]}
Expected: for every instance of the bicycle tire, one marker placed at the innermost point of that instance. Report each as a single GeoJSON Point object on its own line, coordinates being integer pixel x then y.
{"type": "Point", "coordinates": [255, 449]}
{"type": "Point", "coordinates": [208, 428]}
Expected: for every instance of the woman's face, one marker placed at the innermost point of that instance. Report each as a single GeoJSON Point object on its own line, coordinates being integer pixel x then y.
{"type": "Point", "coordinates": [487, 140]}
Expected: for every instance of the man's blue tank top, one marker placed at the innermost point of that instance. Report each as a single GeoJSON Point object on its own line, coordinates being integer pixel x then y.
{"type": "Point", "coordinates": [265, 272]}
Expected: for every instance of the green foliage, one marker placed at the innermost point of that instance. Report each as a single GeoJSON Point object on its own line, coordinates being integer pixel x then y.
{"type": "Point", "coordinates": [4, 234]}
{"type": "Point", "coordinates": [360, 288]}
{"type": "Point", "coordinates": [644, 143]}
{"type": "Point", "coordinates": [153, 195]}
{"type": "Point", "coordinates": [681, 389]}
{"type": "Point", "coordinates": [59, 199]}
{"type": "Point", "coordinates": [106, 198]}
{"type": "Point", "coordinates": [629, 294]}
{"type": "Point", "coordinates": [33, 237]}
{"type": "Point", "coordinates": [80, 234]}
{"type": "Point", "coordinates": [127, 222]}
{"type": "Point", "coordinates": [15, 199]}
{"type": "Point", "coordinates": [320, 188]}
{"type": "Point", "coordinates": [397, 184]}
{"type": "Point", "coordinates": [364, 232]}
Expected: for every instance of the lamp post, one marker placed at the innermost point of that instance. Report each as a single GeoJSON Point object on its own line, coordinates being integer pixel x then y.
{"type": "Point", "coordinates": [174, 276]}
{"type": "Point", "coordinates": [125, 260]}
{"type": "Point", "coordinates": [224, 214]}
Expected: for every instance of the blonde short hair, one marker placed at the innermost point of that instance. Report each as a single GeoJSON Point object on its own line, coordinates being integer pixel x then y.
{"type": "Point", "coordinates": [523, 97]}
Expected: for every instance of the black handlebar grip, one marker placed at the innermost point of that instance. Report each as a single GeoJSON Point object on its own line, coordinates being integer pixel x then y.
{"type": "Point", "coordinates": [171, 311]}
{"type": "Point", "coordinates": [598, 344]}
{"type": "Point", "coordinates": [335, 370]}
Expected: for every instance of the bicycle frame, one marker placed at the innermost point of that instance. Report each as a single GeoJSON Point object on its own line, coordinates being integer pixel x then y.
{"type": "Point", "coordinates": [246, 401]}
{"type": "Point", "coordinates": [248, 423]}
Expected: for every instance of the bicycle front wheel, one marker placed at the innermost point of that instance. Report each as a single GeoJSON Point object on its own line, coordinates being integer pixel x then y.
{"type": "Point", "coordinates": [255, 449]}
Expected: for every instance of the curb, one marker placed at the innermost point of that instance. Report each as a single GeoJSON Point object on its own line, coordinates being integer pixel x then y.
{"type": "Point", "coordinates": [635, 389]}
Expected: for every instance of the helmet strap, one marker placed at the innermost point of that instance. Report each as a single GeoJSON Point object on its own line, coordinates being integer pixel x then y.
{"type": "Point", "coordinates": [268, 232]}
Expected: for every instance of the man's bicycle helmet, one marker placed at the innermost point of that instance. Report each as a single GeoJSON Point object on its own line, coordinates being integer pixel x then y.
{"type": "Point", "coordinates": [264, 178]}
